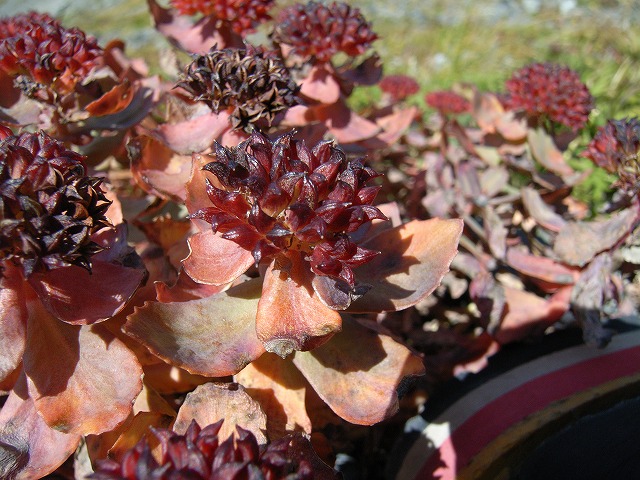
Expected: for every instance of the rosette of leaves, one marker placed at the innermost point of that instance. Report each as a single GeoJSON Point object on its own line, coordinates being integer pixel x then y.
{"type": "Point", "coordinates": [304, 217]}
{"type": "Point", "coordinates": [200, 453]}
{"type": "Point", "coordinates": [251, 83]}
{"type": "Point", "coordinates": [242, 15]}
{"type": "Point", "coordinates": [64, 270]}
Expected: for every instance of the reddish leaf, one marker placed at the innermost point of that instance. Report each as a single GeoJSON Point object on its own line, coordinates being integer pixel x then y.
{"type": "Point", "coordinates": [13, 319]}
{"type": "Point", "coordinates": [414, 258]}
{"type": "Point", "coordinates": [158, 169]}
{"type": "Point", "coordinates": [193, 135]}
{"type": "Point", "coordinates": [290, 315]}
{"type": "Point", "coordinates": [281, 390]}
{"type": "Point", "coordinates": [541, 211]}
{"type": "Point", "coordinates": [28, 447]}
{"type": "Point", "coordinates": [81, 378]}
{"type": "Point", "coordinates": [359, 372]}
{"type": "Point", "coordinates": [185, 289]}
{"type": "Point", "coordinates": [546, 153]}
{"type": "Point", "coordinates": [212, 336]}
{"type": "Point", "coordinates": [345, 125]}
{"type": "Point", "coordinates": [298, 116]}
{"type": "Point", "coordinates": [395, 124]}
{"type": "Point", "coordinates": [214, 260]}
{"type": "Point", "coordinates": [578, 242]}
{"type": "Point", "coordinates": [496, 232]}
{"type": "Point", "coordinates": [320, 84]}
{"type": "Point", "coordinates": [142, 101]}
{"type": "Point", "coordinates": [211, 402]}
{"type": "Point", "coordinates": [192, 38]}
{"type": "Point", "coordinates": [115, 100]}
{"type": "Point", "coordinates": [542, 268]}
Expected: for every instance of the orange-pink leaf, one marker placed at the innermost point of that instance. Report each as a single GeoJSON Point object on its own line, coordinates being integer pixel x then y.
{"type": "Point", "coordinates": [281, 390]}
{"type": "Point", "coordinates": [212, 336]}
{"type": "Point", "coordinates": [290, 315]}
{"type": "Point", "coordinates": [321, 85]}
{"type": "Point", "coordinates": [211, 402]}
{"type": "Point", "coordinates": [415, 256]}
{"type": "Point", "coordinates": [13, 320]}
{"type": "Point", "coordinates": [193, 135]}
{"type": "Point", "coordinates": [358, 372]}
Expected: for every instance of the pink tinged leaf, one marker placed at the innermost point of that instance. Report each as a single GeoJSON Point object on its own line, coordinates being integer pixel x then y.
{"type": "Point", "coordinates": [298, 116]}
{"type": "Point", "coordinates": [414, 258]}
{"type": "Point", "coordinates": [13, 320]}
{"type": "Point", "coordinates": [28, 447]}
{"type": "Point", "coordinates": [578, 242]}
{"type": "Point", "coordinates": [511, 128]}
{"type": "Point", "coordinates": [395, 124]}
{"type": "Point", "coordinates": [542, 268]}
{"type": "Point", "coordinates": [82, 379]}
{"type": "Point", "coordinates": [487, 110]}
{"type": "Point", "coordinates": [546, 153]}
{"type": "Point", "coordinates": [541, 211]}
{"type": "Point", "coordinates": [211, 402]}
{"type": "Point", "coordinates": [496, 232]}
{"type": "Point", "coordinates": [185, 289]}
{"type": "Point", "coordinates": [193, 135]}
{"type": "Point", "coordinates": [192, 38]}
{"type": "Point", "coordinates": [143, 99]}
{"type": "Point", "coordinates": [214, 260]}
{"type": "Point", "coordinates": [527, 314]}
{"type": "Point", "coordinates": [493, 180]}
{"type": "Point", "coordinates": [76, 296]}
{"type": "Point", "coordinates": [157, 169]}
{"type": "Point", "coordinates": [212, 336]}
{"type": "Point", "coordinates": [346, 126]}
{"type": "Point", "coordinates": [359, 372]}
{"type": "Point", "coordinates": [321, 84]}
{"type": "Point", "coordinates": [281, 390]}
{"type": "Point", "coordinates": [290, 314]}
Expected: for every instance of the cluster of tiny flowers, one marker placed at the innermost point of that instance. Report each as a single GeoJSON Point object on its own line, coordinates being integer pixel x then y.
{"type": "Point", "coordinates": [250, 81]}
{"type": "Point", "coordinates": [243, 15]}
{"type": "Point", "coordinates": [448, 102]}
{"type": "Point", "coordinates": [554, 91]}
{"type": "Point", "coordinates": [399, 87]}
{"type": "Point", "coordinates": [320, 31]}
{"type": "Point", "coordinates": [37, 47]}
{"type": "Point", "coordinates": [616, 148]}
{"type": "Point", "coordinates": [281, 195]}
{"type": "Point", "coordinates": [199, 455]}
{"type": "Point", "coordinates": [49, 208]}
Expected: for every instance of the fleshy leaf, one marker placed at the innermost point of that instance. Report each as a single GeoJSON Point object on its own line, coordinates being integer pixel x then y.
{"type": "Point", "coordinates": [193, 135]}
{"type": "Point", "coordinates": [211, 402]}
{"type": "Point", "coordinates": [82, 379]}
{"type": "Point", "coordinates": [212, 336]}
{"type": "Point", "coordinates": [143, 99]}
{"type": "Point", "coordinates": [78, 297]}
{"type": "Point", "coordinates": [496, 232]}
{"type": "Point", "coordinates": [290, 315]}
{"type": "Point", "coordinates": [414, 258]}
{"type": "Point", "coordinates": [28, 447]}
{"type": "Point", "coordinates": [214, 260]}
{"type": "Point", "coordinates": [158, 169]}
{"type": "Point", "coordinates": [541, 211]}
{"type": "Point", "coordinates": [346, 126]}
{"type": "Point", "coordinates": [320, 84]}
{"type": "Point", "coordinates": [280, 389]}
{"type": "Point", "coordinates": [13, 320]}
{"type": "Point", "coordinates": [542, 268]}
{"type": "Point", "coordinates": [358, 372]}
{"type": "Point", "coordinates": [546, 153]}
{"type": "Point", "coordinates": [578, 242]}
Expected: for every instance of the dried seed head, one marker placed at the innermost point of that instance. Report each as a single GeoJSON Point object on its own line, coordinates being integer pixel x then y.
{"type": "Point", "coordinates": [41, 50]}
{"type": "Point", "coordinates": [554, 91]}
{"type": "Point", "coordinates": [321, 31]}
{"type": "Point", "coordinates": [273, 196]}
{"type": "Point", "coordinates": [242, 15]}
{"type": "Point", "coordinates": [49, 208]}
{"type": "Point", "coordinates": [399, 87]}
{"type": "Point", "coordinates": [616, 148]}
{"type": "Point", "coordinates": [251, 82]}
{"type": "Point", "coordinates": [447, 102]}
{"type": "Point", "coordinates": [200, 455]}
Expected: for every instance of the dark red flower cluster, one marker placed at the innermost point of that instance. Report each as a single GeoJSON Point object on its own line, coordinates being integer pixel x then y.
{"type": "Point", "coordinates": [448, 102]}
{"type": "Point", "coordinates": [320, 31]}
{"type": "Point", "coordinates": [616, 147]}
{"type": "Point", "coordinates": [243, 15]}
{"type": "Point", "coordinates": [38, 47]}
{"type": "Point", "coordinates": [199, 455]}
{"type": "Point", "coordinates": [281, 195]}
{"type": "Point", "coordinates": [49, 208]}
{"type": "Point", "coordinates": [554, 91]}
{"type": "Point", "coordinates": [253, 82]}
{"type": "Point", "coordinates": [399, 87]}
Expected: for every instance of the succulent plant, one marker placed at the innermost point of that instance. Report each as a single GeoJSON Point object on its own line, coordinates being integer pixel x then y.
{"type": "Point", "coordinates": [243, 15]}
